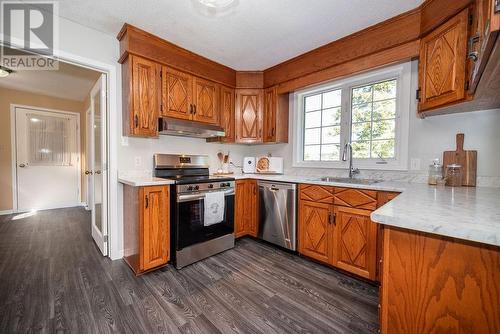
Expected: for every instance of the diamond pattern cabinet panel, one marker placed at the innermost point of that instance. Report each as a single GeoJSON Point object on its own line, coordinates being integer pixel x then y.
{"type": "Point", "coordinates": [315, 231]}
{"type": "Point", "coordinates": [355, 242]}
{"type": "Point", "coordinates": [442, 66]}
{"type": "Point", "coordinates": [356, 198]}
{"type": "Point", "coordinates": [206, 101]}
{"type": "Point", "coordinates": [248, 115]}
{"type": "Point", "coordinates": [177, 90]}
{"type": "Point", "coordinates": [316, 193]}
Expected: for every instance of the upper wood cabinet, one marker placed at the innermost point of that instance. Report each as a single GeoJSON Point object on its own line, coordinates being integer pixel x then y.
{"type": "Point", "coordinates": [355, 242]}
{"type": "Point", "coordinates": [185, 96]}
{"type": "Point", "coordinates": [177, 93]}
{"type": "Point", "coordinates": [227, 113]}
{"type": "Point", "coordinates": [248, 115]}
{"type": "Point", "coordinates": [206, 101]}
{"type": "Point", "coordinates": [246, 220]}
{"type": "Point", "coordinates": [275, 116]}
{"type": "Point", "coordinates": [146, 232]}
{"type": "Point", "coordinates": [442, 67]}
{"type": "Point", "coordinates": [315, 230]}
{"type": "Point", "coordinates": [141, 84]}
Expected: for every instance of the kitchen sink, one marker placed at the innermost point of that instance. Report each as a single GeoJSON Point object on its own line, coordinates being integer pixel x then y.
{"type": "Point", "coordinates": [349, 180]}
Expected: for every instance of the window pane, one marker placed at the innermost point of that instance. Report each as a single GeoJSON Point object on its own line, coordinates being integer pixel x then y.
{"type": "Point", "coordinates": [384, 110]}
{"type": "Point", "coordinates": [332, 99]}
{"type": "Point", "coordinates": [384, 90]}
{"type": "Point", "coordinates": [331, 116]}
{"type": "Point", "coordinates": [331, 135]}
{"type": "Point", "coordinates": [311, 153]}
{"type": "Point", "coordinates": [330, 152]}
{"type": "Point", "coordinates": [362, 95]}
{"type": "Point", "coordinates": [383, 149]}
{"type": "Point", "coordinates": [313, 119]}
{"type": "Point", "coordinates": [384, 129]}
{"type": "Point", "coordinates": [362, 112]}
{"type": "Point", "coordinates": [360, 150]}
{"type": "Point", "coordinates": [312, 136]}
{"type": "Point", "coordinates": [361, 131]}
{"type": "Point", "coordinates": [313, 102]}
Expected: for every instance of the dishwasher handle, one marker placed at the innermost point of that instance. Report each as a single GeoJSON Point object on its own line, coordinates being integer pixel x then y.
{"type": "Point", "coordinates": [276, 186]}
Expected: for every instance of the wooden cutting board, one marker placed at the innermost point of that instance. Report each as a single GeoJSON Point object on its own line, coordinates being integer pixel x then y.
{"type": "Point", "coordinates": [467, 159]}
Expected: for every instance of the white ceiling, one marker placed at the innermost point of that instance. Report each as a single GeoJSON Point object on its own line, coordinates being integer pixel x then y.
{"type": "Point", "coordinates": [68, 82]}
{"type": "Point", "coordinates": [253, 35]}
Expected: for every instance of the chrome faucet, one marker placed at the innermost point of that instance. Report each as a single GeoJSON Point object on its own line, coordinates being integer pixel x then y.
{"type": "Point", "coordinates": [352, 171]}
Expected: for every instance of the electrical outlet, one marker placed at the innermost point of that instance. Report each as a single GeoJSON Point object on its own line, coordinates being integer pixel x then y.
{"type": "Point", "coordinates": [415, 164]}
{"type": "Point", "coordinates": [124, 141]}
{"type": "Point", "coordinates": [138, 161]}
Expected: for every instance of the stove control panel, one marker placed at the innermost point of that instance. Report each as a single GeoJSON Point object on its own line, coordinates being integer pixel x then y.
{"type": "Point", "coordinates": [204, 187]}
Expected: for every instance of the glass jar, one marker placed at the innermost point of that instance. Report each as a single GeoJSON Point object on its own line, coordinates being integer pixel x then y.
{"type": "Point", "coordinates": [454, 175]}
{"type": "Point", "coordinates": [435, 172]}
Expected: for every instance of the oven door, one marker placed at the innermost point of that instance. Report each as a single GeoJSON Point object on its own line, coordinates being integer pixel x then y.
{"type": "Point", "coordinates": [189, 219]}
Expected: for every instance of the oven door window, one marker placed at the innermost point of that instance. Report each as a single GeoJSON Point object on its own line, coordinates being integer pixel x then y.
{"type": "Point", "coordinates": [191, 229]}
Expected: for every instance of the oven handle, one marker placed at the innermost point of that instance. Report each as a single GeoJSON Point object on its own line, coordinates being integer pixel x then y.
{"type": "Point", "coordinates": [194, 197]}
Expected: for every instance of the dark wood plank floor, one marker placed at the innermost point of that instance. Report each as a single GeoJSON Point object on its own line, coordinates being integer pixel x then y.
{"type": "Point", "coordinates": [53, 279]}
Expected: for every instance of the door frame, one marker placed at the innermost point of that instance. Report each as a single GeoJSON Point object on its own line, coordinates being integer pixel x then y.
{"type": "Point", "coordinates": [113, 110]}
{"type": "Point", "coordinates": [87, 150]}
{"type": "Point", "coordinates": [13, 147]}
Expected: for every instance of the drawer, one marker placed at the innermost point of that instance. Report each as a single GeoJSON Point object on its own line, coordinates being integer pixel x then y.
{"type": "Point", "coordinates": [316, 193]}
{"type": "Point", "coordinates": [356, 198]}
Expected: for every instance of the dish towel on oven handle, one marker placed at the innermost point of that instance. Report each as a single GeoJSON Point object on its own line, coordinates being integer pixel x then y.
{"type": "Point", "coordinates": [214, 208]}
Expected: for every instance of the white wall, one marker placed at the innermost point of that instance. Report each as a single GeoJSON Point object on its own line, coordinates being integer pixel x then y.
{"type": "Point", "coordinates": [428, 139]}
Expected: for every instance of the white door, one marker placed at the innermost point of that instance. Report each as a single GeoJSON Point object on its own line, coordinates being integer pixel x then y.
{"type": "Point", "coordinates": [96, 171]}
{"type": "Point", "coordinates": [47, 159]}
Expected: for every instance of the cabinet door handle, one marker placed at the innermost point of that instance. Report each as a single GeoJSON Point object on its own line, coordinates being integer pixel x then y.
{"type": "Point", "coordinates": [147, 202]}
{"type": "Point", "coordinates": [190, 108]}
{"type": "Point", "coordinates": [136, 121]}
{"type": "Point", "coordinates": [274, 132]}
{"type": "Point", "coordinates": [331, 218]}
{"type": "Point", "coordinates": [194, 109]}
{"type": "Point", "coordinates": [470, 53]}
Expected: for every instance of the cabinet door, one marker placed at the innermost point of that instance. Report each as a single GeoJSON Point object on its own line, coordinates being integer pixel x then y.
{"type": "Point", "coordinates": [155, 241]}
{"type": "Point", "coordinates": [176, 93]}
{"type": "Point", "coordinates": [315, 232]}
{"type": "Point", "coordinates": [442, 67]}
{"type": "Point", "coordinates": [270, 115]}
{"type": "Point", "coordinates": [205, 103]}
{"type": "Point", "coordinates": [248, 115]}
{"type": "Point", "coordinates": [251, 224]}
{"type": "Point", "coordinates": [145, 86]}
{"type": "Point", "coordinates": [355, 242]}
{"type": "Point", "coordinates": [227, 113]}
{"type": "Point", "coordinates": [239, 209]}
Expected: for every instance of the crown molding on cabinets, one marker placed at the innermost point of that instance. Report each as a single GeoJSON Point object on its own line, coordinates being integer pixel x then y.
{"type": "Point", "coordinates": [250, 79]}
{"type": "Point", "coordinates": [141, 43]}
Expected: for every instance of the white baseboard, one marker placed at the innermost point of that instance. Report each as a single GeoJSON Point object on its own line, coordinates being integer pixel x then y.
{"type": "Point", "coordinates": [6, 212]}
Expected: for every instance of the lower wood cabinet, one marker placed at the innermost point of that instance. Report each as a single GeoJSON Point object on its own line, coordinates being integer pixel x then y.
{"type": "Point", "coordinates": [334, 227]}
{"type": "Point", "coordinates": [146, 217]}
{"type": "Point", "coordinates": [315, 230]}
{"type": "Point", "coordinates": [355, 242]}
{"type": "Point", "coordinates": [435, 284]}
{"type": "Point", "coordinates": [246, 208]}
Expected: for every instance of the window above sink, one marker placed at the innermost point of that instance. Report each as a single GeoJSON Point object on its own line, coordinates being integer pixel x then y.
{"type": "Point", "coordinates": [370, 110]}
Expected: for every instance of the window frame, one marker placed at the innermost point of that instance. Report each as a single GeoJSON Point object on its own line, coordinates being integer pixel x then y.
{"type": "Point", "coordinates": [400, 72]}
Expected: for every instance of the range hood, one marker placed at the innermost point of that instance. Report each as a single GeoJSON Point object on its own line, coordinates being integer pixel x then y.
{"type": "Point", "coordinates": [183, 128]}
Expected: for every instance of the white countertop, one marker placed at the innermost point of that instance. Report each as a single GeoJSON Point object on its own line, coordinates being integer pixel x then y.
{"type": "Point", "coordinates": [465, 212]}
{"type": "Point", "coordinates": [143, 181]}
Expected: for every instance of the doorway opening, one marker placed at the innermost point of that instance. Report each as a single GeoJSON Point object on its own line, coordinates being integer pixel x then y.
{"type": "Point", "coordinates": [58, 155]}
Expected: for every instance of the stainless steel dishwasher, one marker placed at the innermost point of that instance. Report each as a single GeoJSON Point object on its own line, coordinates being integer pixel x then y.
{"type": "Point", "coordinates": [278, 207]}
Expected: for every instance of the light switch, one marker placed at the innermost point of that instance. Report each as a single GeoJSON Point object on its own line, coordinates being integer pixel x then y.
{"type": "Point", "coordinates": [138, 161]}
{"type": "Point", "coordinates": [124, 141]}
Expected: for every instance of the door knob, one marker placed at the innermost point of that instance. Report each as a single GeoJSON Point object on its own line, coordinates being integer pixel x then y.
{"type": "Point", "coordinates": [97, 172]}
{"type": "Point", "coordinates": [22, 165]}
{"type": "Point", "coordinates": [88, 172]}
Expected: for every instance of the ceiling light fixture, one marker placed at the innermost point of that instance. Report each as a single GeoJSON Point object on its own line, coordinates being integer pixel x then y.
{"type": "Point", "coordinates": [216, 4]}
{"type": "Point", "coordinates": [4, 72]}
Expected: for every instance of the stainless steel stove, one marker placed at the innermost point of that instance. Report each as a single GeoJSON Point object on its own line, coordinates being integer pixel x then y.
{"type": "Point", "coordinates": [191, 239]}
